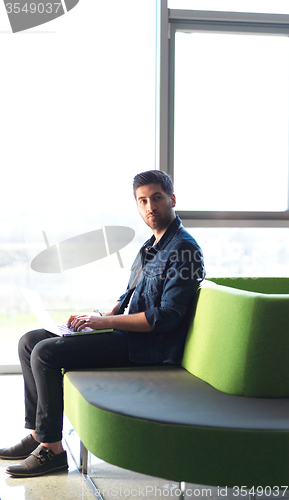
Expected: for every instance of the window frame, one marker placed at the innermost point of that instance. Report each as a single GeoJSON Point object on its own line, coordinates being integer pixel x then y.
{"type": "Point", "coordinates": [170, 21]}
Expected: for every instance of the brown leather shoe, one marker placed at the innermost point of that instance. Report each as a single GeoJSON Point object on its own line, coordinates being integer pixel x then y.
{"type": "Point", "coordinates": [40, 461]}
{"type": "Point", "coordinates": [20, 450]}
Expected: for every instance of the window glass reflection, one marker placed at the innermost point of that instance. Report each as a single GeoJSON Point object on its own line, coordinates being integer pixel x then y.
{"type": "Point", "coordinates": [231, 122]}
{"type": "Point", "coordinates": [244, 251]}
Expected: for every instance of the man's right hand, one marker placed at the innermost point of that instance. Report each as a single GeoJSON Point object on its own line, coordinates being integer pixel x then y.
{"type": "Point", "coordinates": [79, 316]}
{"type": "Point", "coordinates": [75, 316]}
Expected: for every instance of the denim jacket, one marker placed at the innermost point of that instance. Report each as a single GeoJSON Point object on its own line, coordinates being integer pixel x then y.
{"type": "Point", "coordinates": [164, 279]}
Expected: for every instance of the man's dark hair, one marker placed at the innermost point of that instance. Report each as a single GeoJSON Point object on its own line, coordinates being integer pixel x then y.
{"type": "Point", "coordinates": [154, 177]}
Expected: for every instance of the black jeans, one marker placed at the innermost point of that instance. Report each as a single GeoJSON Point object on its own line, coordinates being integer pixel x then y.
{"type": "Point", "coordinates": [43, 355]}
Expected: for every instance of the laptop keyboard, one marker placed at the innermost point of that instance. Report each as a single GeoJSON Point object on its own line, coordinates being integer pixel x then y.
{"type": "Point", "coordinates": [64, 329]}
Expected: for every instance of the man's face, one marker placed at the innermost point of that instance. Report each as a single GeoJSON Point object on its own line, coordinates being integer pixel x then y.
{"type": "Point", "coordinates": [155, 206]}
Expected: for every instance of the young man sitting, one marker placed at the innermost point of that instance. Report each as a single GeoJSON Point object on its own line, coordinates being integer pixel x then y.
{"type": "Point", "coordinates": [149, 323]}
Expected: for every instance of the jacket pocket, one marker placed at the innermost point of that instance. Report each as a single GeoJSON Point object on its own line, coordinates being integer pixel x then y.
{"type": "Point", "coordinates": [154, 275]}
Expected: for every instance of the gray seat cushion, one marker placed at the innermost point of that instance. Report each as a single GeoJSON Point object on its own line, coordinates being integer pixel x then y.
{"type": "Point", "coordinates": [172, 395]}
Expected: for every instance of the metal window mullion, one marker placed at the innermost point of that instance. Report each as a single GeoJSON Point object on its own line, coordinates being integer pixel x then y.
{"type": "Point", "coordinates": [234, 219]}
{"type": "Point", "coordinates": [240, 223]}
{"type": "Point", "coordinates": [171, 113]}
{"type": "Point", "coordinates": [176, 15]}
{"type": "Point", "coordinates": [162, 97]}
{"type": "Point", "coordinates": [262, 215]}
{"type": "Point", "coordinates": [232, 27]}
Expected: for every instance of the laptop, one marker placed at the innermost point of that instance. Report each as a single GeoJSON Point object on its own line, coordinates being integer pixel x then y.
{"type": "Point", "coordinates": [46, 320]}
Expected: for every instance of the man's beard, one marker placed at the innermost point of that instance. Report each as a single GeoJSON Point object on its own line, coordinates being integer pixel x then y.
{"type": "Point", "coordinates": [161, 221]}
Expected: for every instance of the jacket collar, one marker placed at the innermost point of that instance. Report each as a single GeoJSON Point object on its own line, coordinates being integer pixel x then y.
{"type": "Point", "coordinates": [167, 236]}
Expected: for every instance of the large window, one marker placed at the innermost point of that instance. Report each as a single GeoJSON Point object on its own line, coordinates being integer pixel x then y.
{"type": "Point", "coordinates": [231, 122]}
{"type": "Point", "coordinates": [226, 103]}
{"type": "Point", "coordinates": [77, 123]}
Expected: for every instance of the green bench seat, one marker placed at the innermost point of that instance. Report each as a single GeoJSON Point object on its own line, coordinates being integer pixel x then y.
{"type": "Point", "coordinates": [222, 418]}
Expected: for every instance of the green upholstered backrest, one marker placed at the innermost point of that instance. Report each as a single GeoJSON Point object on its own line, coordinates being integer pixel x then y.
{"type": "Point", "coordinates": [238, 340]}
{"type": "Point", "coordinates": [260, 285]}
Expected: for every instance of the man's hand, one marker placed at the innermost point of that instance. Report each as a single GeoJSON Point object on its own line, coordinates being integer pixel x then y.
{"type": "Point", "coordinates": [78, 322]}
{"type": "Point", "coordinates": [129, 322]}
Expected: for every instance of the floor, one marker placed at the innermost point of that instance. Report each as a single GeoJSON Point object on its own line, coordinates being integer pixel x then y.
{"type": "Point", "coordinates": [106, 480]}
